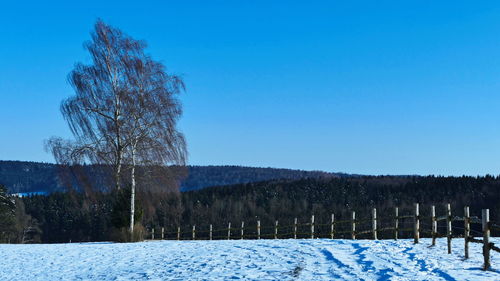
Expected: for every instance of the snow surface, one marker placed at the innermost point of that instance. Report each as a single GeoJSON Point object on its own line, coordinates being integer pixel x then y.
{"type": "Point", "coordinates": [27, 194]}
{"type": "Point", "coordinates": [318, 259]}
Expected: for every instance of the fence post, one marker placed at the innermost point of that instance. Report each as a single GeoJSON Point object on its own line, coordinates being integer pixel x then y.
{"type": "Point", "coordinates": [448, 227]}
{"type": "Point", "coordinates": [258, 229]}
{"type": "Point", "coordinates": [353, 225]}
{"type": "Point", "coordinates": [374, 223]}
{"type": "Point", "coordinates": [396, 223]}
{"type": "Point", "coordinates": [162, 233]}
{"type": "Point", "coordinates": [486, 238]}
{"type": "Point", "coordinates": [229, 231]}
{"type": "Point", "coordinates": [332, 228]}
{"type": "Point", "coordinates": [466, 231]}
{"type": "Point", "coordinates": [276, 230]}
{"type": "Point", "coordinates": [242, 229]}
{"type": "Point", "coordinates": [210, 234]}
{"type": "Point", "coordinates": [295, 229]}
{"type": "Point", "coordinates": [178, 233]}
{"type": "Point", "coordinates": [194, 232]}
{"type": "Point", "coordinates": [416, 227]}
{"type": "Point", "coordinates": [153, 233]}
{"type": "Point", "coordinates": [312, 227]}
{"type": "Point", "coordinates": [433, 225]}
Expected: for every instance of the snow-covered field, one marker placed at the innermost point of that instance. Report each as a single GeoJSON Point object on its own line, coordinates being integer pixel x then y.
{"type": "Point", "coordinates": [319, 259]}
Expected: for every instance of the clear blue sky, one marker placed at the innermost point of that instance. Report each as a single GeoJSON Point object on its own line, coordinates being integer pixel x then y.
{"type": "Point", "coordinates": [371, 87]}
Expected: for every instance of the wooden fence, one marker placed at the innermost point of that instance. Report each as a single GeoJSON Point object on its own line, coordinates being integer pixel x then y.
{"type": "Point", "coordinates": [473, 227]}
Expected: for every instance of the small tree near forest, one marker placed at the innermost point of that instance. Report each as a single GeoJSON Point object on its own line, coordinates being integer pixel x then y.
{"type": "Point", "coordinates": [7, 215]}
{"type": "Point", "coordinates": [124, 113]}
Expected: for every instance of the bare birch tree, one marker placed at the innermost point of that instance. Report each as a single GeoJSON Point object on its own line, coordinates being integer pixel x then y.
{"type": "Point", "coordinates": [152, 111]}
{"type": "Point", "coordinates": [95, 113]}
{"type": "Point", "coordinates": [125, 110]}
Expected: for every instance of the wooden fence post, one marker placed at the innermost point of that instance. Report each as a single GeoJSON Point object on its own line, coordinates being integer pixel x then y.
{"type": "Point", "coordinates": [194, 232]}
{"type": "Point", "coordinates": [258, 229]}
{"type": "Point", "coordinates": [229, 231]}
{"type": "Point", "coordinates": [466, 231]}
{"type": "Point", "coordinates": [178, 233]}
{"type": "Point", "coordinates": [433, 225]}
{"type": "Point", "coordinates": [396, 223]}
{"type": "Point", "coordinates": [312, 227]}
{"type": "Point", "coordinates": [295, 229]}
{"type": "Point", "coordinates": [416, 226]}
{"type": "Point", "coordinates": [162, 233]}
{"type": "Point", "coordinates": [276, 230]}
{"type": "Point", "coordinates": [353, 225]}
{"type": "Point", "coordinates": [153, 233]}
{"type": "Point", "coordinates": [448, 227]}
{"type": "Point", "coordinates": [486, 238]}
{"type": "Point", "coordinates": [242, 229]}
{"type": "Point", "coordinates": [374, 223]}
{"type": "Point", "coordinates": [210, 234]}
{"type": "Point", "coordinates": [332, 228]}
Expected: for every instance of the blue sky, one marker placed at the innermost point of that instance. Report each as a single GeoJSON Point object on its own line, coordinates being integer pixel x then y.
{"type": "Point", "coordinates": [370, 87]}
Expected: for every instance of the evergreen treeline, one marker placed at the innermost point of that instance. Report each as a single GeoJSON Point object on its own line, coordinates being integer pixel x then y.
{"type": "Point", "coordinates": [285, 200]}
{"type": "Point", "coordinates": [62, 217]}
{"type": "Point", "coordinates": [65, 217]}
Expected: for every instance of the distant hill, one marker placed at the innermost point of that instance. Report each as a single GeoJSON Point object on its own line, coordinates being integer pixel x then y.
{"type": "Point", "coordinates": [21, 177]}
{"type": "Point", "coordinates": [26, 177]}
{"type": "Point", "coordinates": [205, 176]}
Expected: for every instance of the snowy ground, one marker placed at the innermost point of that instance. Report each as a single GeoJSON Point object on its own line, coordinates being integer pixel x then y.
{"type": "Point", "coordinates": [319, 259]}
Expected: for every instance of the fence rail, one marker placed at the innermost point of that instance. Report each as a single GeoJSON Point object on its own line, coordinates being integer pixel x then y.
{"type": "Point", "coordinates": [351, 228]}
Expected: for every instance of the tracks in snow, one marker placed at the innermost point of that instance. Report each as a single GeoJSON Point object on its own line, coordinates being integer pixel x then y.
{"type": "Point", "coordinates": [375, 260]}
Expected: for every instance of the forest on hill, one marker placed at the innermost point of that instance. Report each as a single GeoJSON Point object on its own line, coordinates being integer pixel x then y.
{"type": "Point", "coordinates": [72, 216]}
{"type": "Point", "coordinates": [28, 177]}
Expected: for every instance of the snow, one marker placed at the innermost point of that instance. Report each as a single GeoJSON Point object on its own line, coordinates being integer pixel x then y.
{"type": "Point", "coordinates": [27, 194]}
{"type": "Point", "coordinates": [311, 259]}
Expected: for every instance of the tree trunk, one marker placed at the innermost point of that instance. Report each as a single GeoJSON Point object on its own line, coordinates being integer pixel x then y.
{"type": "Point", "coordinates": [118, 173]}
{"type": "Point", "coordinates": [132, 194]}
{"type": "Point", "coordinates": [119, 148]}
